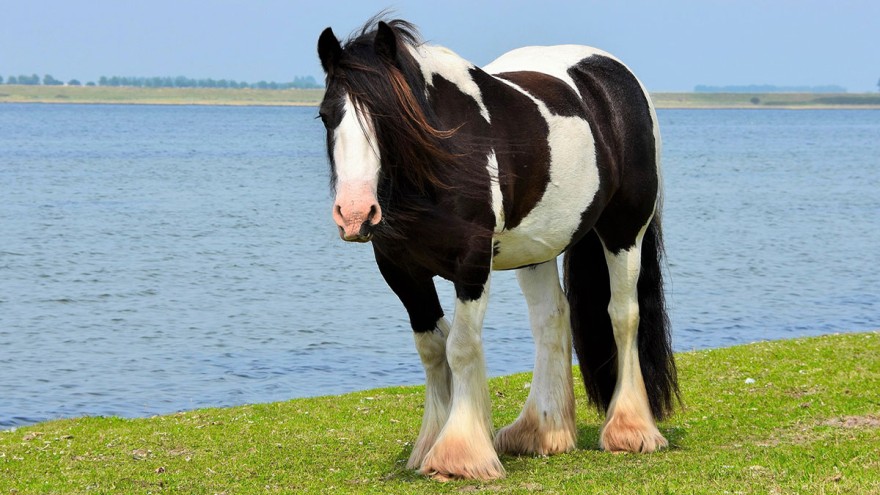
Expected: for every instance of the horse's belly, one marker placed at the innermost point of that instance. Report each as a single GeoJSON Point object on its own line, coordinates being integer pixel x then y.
{"type": "Point", "coordinates": [518, 248]}
{"type": "Point", "coordinates": [548, 229]}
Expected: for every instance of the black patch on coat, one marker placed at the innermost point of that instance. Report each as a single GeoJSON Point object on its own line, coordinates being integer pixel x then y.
{"type": "Point", "coordinates": [415, 289]}
{"type": "Point", "coordinates": [560, 99]}
{"type": "Point", "coordinates": [622, 126]}
{"type": "Point", "coordinates": [519, 135]}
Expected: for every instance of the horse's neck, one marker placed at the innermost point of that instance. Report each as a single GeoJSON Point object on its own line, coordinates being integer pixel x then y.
{"type": "Point", "coordinates": [443, 62]}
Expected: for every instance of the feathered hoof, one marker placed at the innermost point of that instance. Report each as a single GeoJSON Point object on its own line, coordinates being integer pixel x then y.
{"type": "Point", "coordinates": [420, 450]}
{"type": "Point", "coordinates": [527, 436]}
{"type": "Point", "coordinates": [462, 458]}
{"type": "Point", "coordinates": [623, 433]}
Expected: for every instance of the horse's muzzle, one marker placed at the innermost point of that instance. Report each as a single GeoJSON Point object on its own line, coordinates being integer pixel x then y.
{"type": "Point", "coordinates": [357, 217]}
{"type": "Point", "coordinates": [364, 235]}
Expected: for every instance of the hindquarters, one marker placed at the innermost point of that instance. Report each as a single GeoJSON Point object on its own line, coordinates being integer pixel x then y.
{"type": "Point", "coordinates": [613, 274]}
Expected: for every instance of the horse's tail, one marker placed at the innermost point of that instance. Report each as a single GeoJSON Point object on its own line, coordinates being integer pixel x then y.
{"type": "Point", "coordinates": [587, 287]}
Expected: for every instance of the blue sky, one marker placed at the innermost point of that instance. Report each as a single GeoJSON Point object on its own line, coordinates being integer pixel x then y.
{"type": "Point", "coordinates": [671, 44]}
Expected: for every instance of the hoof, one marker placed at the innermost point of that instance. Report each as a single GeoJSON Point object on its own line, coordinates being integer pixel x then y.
{"type": "Point", "coordinates": [628, 434]}
{"type": "Point", "coordinates": [420, 450]}
{"type": "Point", "coordinates": [527, 436]}
{"type": "Point", "coordinates": [462, 458]}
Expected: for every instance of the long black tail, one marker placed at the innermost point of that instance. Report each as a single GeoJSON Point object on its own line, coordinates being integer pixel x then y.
{"type": "Point", "coordinates": [588, 289]}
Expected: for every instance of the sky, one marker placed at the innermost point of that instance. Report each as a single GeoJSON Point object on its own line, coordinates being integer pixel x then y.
{"type": "Point", "coordinates": [671, 45]}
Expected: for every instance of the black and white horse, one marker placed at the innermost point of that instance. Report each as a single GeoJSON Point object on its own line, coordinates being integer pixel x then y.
{"type": "Point", "coordinates": [454, 170]}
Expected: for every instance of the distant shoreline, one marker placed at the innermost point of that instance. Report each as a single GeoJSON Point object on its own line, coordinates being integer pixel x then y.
{"type": "Point", "coordinates": [117, 95]}
{"type": "Point", "coordinates": [311, 97]}
{"type": "Point", "coordinates": [790, 101]}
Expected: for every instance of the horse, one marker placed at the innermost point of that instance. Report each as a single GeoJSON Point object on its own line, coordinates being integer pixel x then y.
{"type": "Point", "coordinates": [453, 170]}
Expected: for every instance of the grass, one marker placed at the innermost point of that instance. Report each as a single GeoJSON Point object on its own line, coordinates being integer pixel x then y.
{"type": "Point", "coordinates": [799, 416]}
{"type": "Point", "coordinates": [208, 96]}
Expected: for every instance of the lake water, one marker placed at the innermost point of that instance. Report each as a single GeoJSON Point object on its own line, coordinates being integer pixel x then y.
{"type": "Point", "coordinates": [155, 259]}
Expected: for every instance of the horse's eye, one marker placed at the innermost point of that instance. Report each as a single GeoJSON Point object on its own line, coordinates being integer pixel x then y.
{"type": "Point", "coordinates": [323, 116]}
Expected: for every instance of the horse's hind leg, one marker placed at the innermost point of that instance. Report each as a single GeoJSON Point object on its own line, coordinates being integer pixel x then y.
{"type": "Point", "coordinates": [546, 424]}
{"type": "Point", "coordinates": [629, 425]}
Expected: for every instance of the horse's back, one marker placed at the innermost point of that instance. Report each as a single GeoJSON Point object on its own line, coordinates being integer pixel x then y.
{"type": "Point", "coordinates": [595, 75]}
{"type": "Point", "coordinates": [552, 60]}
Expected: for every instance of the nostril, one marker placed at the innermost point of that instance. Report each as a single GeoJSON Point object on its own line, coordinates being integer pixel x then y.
{"type": "Point", "coordinates": [337, 214]}
{"type": "Point", "coordinates": [375, 216]}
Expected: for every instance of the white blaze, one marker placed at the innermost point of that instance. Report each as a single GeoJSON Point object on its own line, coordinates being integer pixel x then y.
{"type": "Point", "coordinates": [355, 152]}
{"type": "Point", "coordinates": [356, 159]}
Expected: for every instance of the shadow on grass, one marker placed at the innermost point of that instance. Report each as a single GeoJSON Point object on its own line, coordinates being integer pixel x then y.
{"type": "Point", "coordinates": [400, 472]}
{"type": "Point", "coordinates": [676, 436]}
{"type": "Point", "coordinates": [588, 437]}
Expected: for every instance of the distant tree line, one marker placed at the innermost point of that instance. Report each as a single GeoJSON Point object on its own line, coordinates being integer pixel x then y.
{"type": "Point", "coordinates": [186, 82]}
{"type": "Point", "coordinates": [769, 88]}
{"type": "Point", "coordinates": [306, 82]}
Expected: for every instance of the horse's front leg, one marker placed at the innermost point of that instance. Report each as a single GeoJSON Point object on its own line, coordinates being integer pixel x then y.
{"type": "Point", "coordinates": [438, 382]}
{"type": "Point", "coordinates": [416, 290]}
{"type": "Point", "coordinates": [464, 447]}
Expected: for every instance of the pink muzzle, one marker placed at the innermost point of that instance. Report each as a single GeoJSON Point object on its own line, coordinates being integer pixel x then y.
{"type": "Point", "coordinates": [356, 212]}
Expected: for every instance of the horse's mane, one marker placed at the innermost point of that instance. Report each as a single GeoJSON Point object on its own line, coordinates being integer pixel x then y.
{"type": "Point", "coordinates": [415, 150]}
{"type": "Point", "coordinates": [406, 31]}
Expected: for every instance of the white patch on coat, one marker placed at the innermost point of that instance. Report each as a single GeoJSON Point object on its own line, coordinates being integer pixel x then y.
{"type": "Point", "coordinates": [574, 182]}
{"type": "Point", "coordinates": [495, 188]}
{"type": "Point", "coordinates": [453, 68]}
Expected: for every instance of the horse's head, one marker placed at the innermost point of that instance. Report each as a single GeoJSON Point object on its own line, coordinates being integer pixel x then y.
{"type": "Point", "coordinates": [382, 135]}
{"type": "Point", "coordinates": [352, 143]}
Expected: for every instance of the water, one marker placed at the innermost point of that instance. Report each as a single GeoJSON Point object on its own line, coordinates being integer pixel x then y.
{"type": "Point", "coordinates": [155, 259]}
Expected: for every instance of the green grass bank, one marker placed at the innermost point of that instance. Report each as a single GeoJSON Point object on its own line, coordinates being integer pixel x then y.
{"type": "Point", "coordinates": [797, 416]}
{"type": "Point", "coordinates": [311, 97]}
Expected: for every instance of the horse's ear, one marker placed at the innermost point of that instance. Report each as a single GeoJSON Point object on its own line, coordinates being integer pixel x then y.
{"type": "Point", "coordinates": [329, 50]}
{"type": "Point", "coordinates": [386, 42]}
